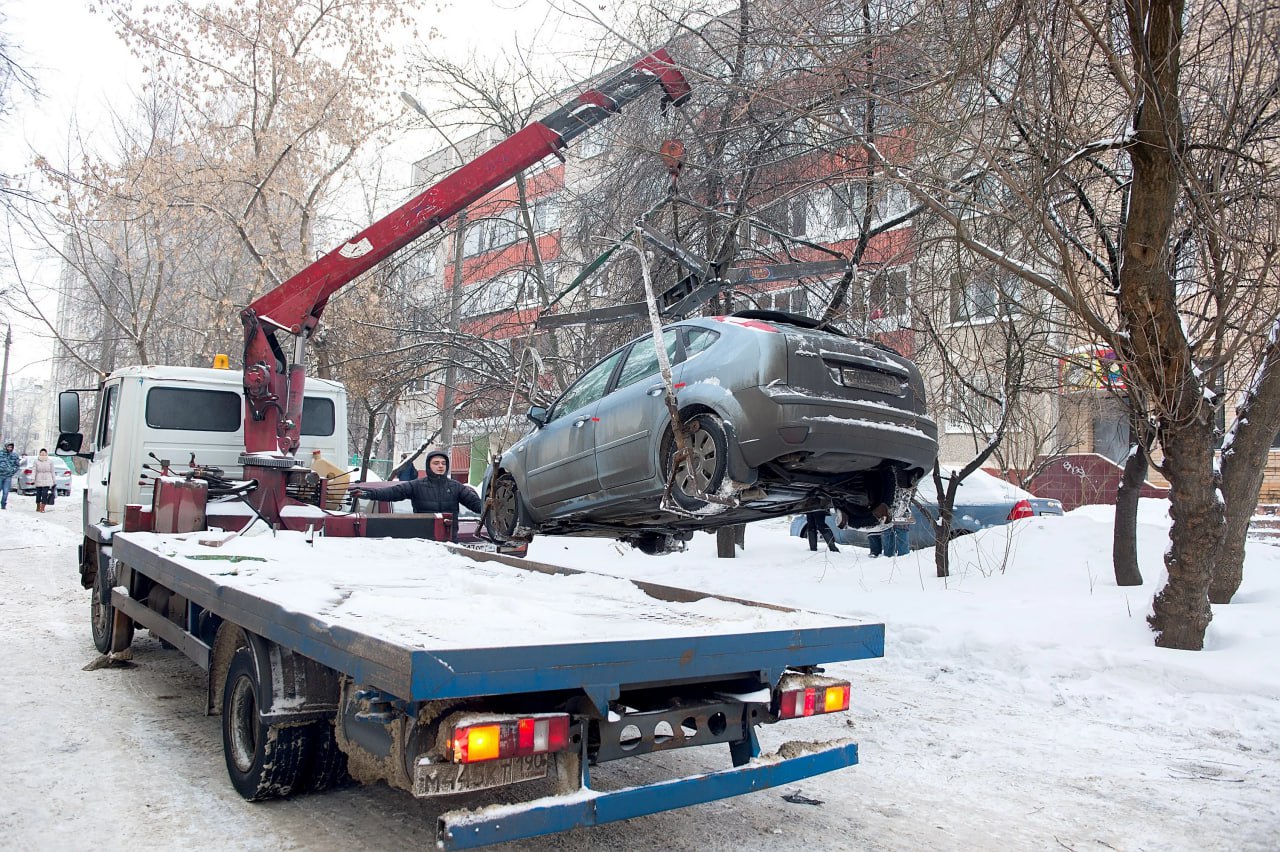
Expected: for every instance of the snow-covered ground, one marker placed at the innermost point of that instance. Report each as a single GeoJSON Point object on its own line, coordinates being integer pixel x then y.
{"type": "Point", "coordinates": [1020, 705]}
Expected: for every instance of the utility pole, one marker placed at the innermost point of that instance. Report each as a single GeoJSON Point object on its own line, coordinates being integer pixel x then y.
{"type": "Point", "coordinates": [4, 374]}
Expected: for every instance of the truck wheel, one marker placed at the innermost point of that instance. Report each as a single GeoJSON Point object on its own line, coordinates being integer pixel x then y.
{"type": "Point", "coordinates": [112, 629]}
{"type": "Point", "coordinates": [327, 764]}
{"type": "Point", "coordinates": [706, 469]}
{"type": "Point", "coordinates": [503, 516]}
{"type": "Point", "coordinates": [264, 761]}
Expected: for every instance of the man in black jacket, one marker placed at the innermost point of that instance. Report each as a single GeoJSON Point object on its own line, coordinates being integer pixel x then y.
{"type": "Point", "coordinates": [435, 492]}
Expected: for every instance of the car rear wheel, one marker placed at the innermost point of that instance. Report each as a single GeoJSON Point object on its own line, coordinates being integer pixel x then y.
{"type": "Point", "coordinates": [704, 471]}
{"type": "Point", "coordinates": [502, 515]}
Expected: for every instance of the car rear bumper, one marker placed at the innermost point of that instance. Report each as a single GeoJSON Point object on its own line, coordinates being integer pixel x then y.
{"type": "Point", "coordinates": [837, 435]}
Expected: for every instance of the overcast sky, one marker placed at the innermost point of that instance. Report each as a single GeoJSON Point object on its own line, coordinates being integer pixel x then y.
{"type": "Point", "coordinates": [82, 70]}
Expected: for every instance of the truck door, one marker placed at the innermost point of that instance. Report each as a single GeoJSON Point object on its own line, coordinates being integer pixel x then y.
{"type": "Point", "coordinates": [99, 478]}
{"type": "Point", "coordinates": [560, 459]}
{"type": "Point", "coordinates": [631, 415]}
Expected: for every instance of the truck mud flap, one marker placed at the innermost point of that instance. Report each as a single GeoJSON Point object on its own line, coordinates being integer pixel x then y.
{"type": "Point", "coordinates": [470, 829]}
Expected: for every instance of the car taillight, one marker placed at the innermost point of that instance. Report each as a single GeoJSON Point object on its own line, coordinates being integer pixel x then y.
{"type": "Point", "coordinates": [515, 736]}
{"type": "Point", "coordinates": [1021, 509]}
{"type": "Point", "coordinates": [27, 472]}
{"type": "Point", "coordinates": [796, 700]}
{"type": "Point", "coordinates": [748, 323]}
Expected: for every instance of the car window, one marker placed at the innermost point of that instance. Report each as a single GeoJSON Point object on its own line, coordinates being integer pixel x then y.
{"type": "Point", "coordinates": [586, 390]}
{"type": "Point", "coordinates": [697, 340]}
{"type": "Point", "coordinates": [643, 358]}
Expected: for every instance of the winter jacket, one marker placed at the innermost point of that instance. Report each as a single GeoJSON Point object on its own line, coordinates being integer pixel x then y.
{"type": "Point", "coordinates": [430, 493]}
{"type": "Point", "coordinates": [43, 473]}
{"type": "Point", "coordinates": [9, 462]}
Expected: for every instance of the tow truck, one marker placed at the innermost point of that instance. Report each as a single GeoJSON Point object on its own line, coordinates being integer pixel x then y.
{"type": "Point", "coordinates": [344, 645]}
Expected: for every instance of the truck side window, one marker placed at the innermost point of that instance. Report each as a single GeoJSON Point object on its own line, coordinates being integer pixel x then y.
{"type": "Point", "coordinates": [107, 417]}
{"type": "Point", "coordinates": [317, 416]}
{"type": "Point", "coordinates": [194, 410]}
{"type": "Point", "coordinates": [587, 389]}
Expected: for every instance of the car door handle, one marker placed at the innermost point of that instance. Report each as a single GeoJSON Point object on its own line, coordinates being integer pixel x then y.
{"type": "Point", "coordinates": [583, 421]}
{"type": "Point", "coordinates": [655, 391]}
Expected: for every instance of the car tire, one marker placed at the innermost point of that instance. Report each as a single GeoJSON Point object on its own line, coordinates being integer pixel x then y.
{"type": "Point", "coordinates": [709, 447]}
{"type": "Point", "coordinates": [653, 544]}
{"type": "Point", "coordinates": [502, 514]}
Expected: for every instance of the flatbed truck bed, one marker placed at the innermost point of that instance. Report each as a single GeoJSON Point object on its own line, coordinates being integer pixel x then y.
{"type": "Point", "coordinates": [372, 644]}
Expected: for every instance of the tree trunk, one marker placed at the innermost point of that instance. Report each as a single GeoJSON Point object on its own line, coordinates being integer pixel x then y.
{"type": "Point", "coordinates": [1244, 458]}
{"type": "Point", "coordinates": [1162, 357]}
{"type": "Point", "coordinates": [1181, 611]}
{"type": "Point", "coordinates": [1124, 541]}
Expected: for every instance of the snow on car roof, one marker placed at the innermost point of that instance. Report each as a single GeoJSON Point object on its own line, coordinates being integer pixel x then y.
{"type": "Point", "coordinates": [977, 487]}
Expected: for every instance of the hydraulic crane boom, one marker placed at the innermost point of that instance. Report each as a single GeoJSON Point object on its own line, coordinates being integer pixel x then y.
{"type": "Point", "coordinates": [274, 384]}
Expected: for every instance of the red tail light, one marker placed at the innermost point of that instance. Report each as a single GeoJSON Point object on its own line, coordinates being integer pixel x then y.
{"type": "Point", "coordinates": [811, 696]}
{"type": "Point", "coordinates": [1021, 509]}
{"type": "Point", "coordinates": [510, 736]}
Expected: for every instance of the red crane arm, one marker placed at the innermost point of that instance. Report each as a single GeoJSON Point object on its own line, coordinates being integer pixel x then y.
{"type": "Point", "coordinates": [273, 388]}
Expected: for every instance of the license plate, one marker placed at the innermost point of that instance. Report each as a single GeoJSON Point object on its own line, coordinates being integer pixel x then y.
{"type": "Point", "coordinates": [438, 779]}
{"type": "Point", "coordinates": [870, 380]}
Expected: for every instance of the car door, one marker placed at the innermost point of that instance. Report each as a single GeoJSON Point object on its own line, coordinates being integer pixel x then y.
{"type": "Point", "coordinates": [559, 459]}
{"type": "Point", "coordinates": [631, 413]}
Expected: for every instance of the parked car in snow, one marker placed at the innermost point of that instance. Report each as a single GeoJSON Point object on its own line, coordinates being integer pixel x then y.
{"type": "Point", "coordinates": [782, 416]}
{"type": "Point", "coordinates": [982, 501]}
{"type": "Point", "coordinates": [25, 481]}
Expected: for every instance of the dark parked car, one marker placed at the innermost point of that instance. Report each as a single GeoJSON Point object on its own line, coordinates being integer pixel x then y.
{"type": "Point", "coordinates": [25, 481]}
{"type": "Point", "coordinates": [781, 416]}
{"type": "Point", "coordinates": [982, 501]}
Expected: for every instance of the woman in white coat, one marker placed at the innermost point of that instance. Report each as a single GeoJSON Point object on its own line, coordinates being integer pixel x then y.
{"type": "Point", "coordinates": [46, 485]}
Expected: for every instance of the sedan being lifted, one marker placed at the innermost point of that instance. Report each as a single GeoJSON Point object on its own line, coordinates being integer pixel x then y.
{"type": "Point", "coordinates": [779, 416]}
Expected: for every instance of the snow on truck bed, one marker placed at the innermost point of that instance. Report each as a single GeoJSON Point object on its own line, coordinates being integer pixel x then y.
{"type": "Point", "coordinates": [419, 594]}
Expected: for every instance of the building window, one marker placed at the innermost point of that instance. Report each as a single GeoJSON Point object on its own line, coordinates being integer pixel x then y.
{"type": "Point", "coordinates": [888, 299]}
{"type": "Point", "coordinates": [546, 214]}
{"type": "Point", "coordinates": [492, 232]}
{"type": "Point", "coordinates": [971, 410]}
{"type": "Point", "coordinates": [792, 301]}
{"type": "Point", "coordinates": [985, 295]}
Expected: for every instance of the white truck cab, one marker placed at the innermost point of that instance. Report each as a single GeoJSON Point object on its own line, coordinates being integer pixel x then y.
{"type": "Point", "coordinates": [179, 414]}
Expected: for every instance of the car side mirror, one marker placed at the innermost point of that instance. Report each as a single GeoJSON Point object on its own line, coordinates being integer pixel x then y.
{"type": "Point", "coordinates": [538, 414]}
{"type": "Point", "coordinates": [69, 412]}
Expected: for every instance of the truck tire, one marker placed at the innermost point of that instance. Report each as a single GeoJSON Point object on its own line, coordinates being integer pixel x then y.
{"type": "Point", "coordinates": [112, 629]}
{"type": "Point", "coordinates": [264, 761]}
{"type": "Point", "coordinates": [326, 763]}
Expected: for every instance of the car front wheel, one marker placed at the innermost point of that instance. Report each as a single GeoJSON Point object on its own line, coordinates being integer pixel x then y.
{"type": "Point", "coordinates": [502, 515]}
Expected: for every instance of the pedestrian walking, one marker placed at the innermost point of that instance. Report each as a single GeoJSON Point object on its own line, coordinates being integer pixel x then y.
{"type": "Point", "coordinates": [9, 463]}
{"type": "Point", "coordinates": [46, 485]}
